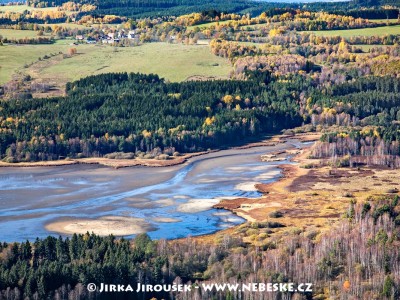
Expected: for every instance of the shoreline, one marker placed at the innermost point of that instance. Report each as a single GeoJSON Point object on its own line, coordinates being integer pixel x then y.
{"type": "Point", "coordinates": [125, 163]}
{"type": "Point", "coordinates": [107, 162]}
{"type": "Point", "coordinates": [277, 148]}
{"type": "Point", "coordinates": [101, 226]}
{"type": "Point", "coordinates": [306, 200]}
{"type": "Point", "coordinates": [289, 172]}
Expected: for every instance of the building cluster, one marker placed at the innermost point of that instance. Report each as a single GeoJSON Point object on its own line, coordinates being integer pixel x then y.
{"type": "Point", "coordinates": [108, 38]}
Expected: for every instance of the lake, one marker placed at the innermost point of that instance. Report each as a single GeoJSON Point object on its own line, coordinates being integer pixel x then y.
{"type": "Point", "coordinates": [165, 202]}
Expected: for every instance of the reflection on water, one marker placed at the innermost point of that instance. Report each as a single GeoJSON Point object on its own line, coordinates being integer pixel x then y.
{"type": "Point", "coordinates": [175, 200]}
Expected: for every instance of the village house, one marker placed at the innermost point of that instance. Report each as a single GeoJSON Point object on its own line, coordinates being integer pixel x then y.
{"type": "Point", "coordinates": [91, 40]}
{"type": "Point", "coordinates": [122, 35]}
{"type": "Point", "coordinates": [131, 34]}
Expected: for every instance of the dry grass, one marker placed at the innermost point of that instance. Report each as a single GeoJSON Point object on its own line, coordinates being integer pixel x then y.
{"type": "Point", "coordinates": [113, 163]}
{"type": "Point", "coordinates": [308, 200]}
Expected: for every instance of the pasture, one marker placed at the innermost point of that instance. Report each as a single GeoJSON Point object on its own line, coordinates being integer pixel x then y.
{"type": "Point", "coordinates": [18, 34]}
{"type": "Point", "coordinates": [208, 25]}
{"type": "Point", "coordinates": [175, 62]}
{"type": "Point", "coordinates": [347, 33]}
{"type": "Point", "coordinates": [67, 25]}
{"type": "Point", "coordinates": [14, 57]}
{"type": "Point", "coordinates": [390, 21]}
{"type": "Point", "coordinates": [22, 8]}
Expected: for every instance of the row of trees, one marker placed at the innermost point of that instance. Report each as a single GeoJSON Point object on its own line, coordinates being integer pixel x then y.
{"type": "Point", "coordinates": [358, 258]}
{"type": "Point", "coordinates": [25, 41]}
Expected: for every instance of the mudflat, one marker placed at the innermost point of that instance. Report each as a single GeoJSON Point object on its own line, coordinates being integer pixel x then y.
{"type": "Point", "coordinates": [167, 202]}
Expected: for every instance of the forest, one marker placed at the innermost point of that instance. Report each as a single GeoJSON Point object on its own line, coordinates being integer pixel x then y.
{"type": "Point", "coordinates": [284, 74]}
{"type": "Point", "coordinates": [291, 70]}
{"type": "Point", "coordinates": [147, 114]}
{"type": "Point", "coordinates": [152, 8]}
{"type": "Point", "coordinates": [142, 8]}
{"type": "Point", "coordinates": [144, 114]}
{"type": "Point", "coordinates": [59, 268]}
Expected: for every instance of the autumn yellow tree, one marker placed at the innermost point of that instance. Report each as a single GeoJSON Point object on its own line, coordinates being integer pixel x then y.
{"type": "Point", "coordinates": [227, 99]}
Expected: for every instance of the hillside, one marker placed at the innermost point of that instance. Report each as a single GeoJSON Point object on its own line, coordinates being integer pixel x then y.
{"type": "Point", "coordinates": [214, 96]}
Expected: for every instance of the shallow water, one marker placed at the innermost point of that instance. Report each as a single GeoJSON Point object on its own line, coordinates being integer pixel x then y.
{"type": "Point", "coordinates": [30, 198]}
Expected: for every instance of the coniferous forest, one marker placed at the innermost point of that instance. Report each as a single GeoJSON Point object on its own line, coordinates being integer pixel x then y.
{"type": "Point", "coordinates": [58, 268]}
{"type": "Point", "coordinates": [322, 72]}
{"type": "Point", "coordinates": [133, 112]}
{"type": "Point", "coordinates": [139, 113]}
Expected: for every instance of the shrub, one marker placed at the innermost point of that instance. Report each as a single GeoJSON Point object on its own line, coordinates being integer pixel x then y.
{"type": "Point", "coordinates": [276, 214]}
{"type": "Point", "coordinates": [120, 155]}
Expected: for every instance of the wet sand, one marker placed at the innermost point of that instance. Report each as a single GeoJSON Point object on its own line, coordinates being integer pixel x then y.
{"type": "Point", "coordinates": [169, 202]}
{"type": "Point", "coordinates": [115, 225]}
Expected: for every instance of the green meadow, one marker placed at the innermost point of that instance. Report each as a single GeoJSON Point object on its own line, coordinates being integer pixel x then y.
{"type": "Point", "coordinates": [390, 21]}
{"type": "Point", "coordinates": [383, 30]}
{"type": "Point", "coordinates": [22, 8]}
{"type": "Point", "coordinates": [175, 62]}
{"type": "Point", "coordinates": [207, 25]}
{"type": "Point", "coordinates": [18, 34]}
{"type": "Point", "coordinates": [14, 57]}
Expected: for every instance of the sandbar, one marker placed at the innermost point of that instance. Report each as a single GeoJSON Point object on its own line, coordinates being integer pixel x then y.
{"type": "Point", "coordinates": [115, 225]}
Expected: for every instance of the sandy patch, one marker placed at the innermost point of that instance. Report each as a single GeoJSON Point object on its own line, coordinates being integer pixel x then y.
{"type": "Point", "coordinates": [207, 180]}
{"type": "Point", "coordinates": [249, 207]}
{"type": "Point", "coordinates": [197, 205]}
{"type": "Point", "coordinates": [180, 197]}
{"type": "Point", "coordinates": [222, 213]}
{"type": "Point", "coordinates": [269, 175]}
{"type": "Point", "coordinates": [232, 220]}
{"type": "Point", "coordinates": [238, 170]}
{"type": "Point", "coordinates": [247, 186]}
{"type": "Point", "coordinates": [166, 220]}
{"type": "Point", "coordinates": [268, 168]}
{"type": "Point", "coordinates": [115, 225]}
{"type": "Point", "coordinates": [224, 226]}
{"type": "Point", "coordinates": [226, 198]}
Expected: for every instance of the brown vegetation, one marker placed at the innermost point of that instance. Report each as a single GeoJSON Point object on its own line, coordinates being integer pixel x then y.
{"type": "Point", "coordinates": [312, 195]}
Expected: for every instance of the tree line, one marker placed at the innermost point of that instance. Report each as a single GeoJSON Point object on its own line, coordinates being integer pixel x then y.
{"type": "Point", "coordinates": [358, 257]}
{"type": "Point", "coordinates": [138, 113]}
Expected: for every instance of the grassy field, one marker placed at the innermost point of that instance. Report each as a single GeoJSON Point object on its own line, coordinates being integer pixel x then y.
{"type": "Point", "coordinates": [175, 62]}
{"type": "Point", "coordinates": [207, 25]}
{"type": "Point", "coordinates": [14, 57]}
{"type": "Point", "coordinates": [67, 25]}
{"type": "Point", "coordinates": [384, 30]}
{"type": "Point", "coordinates": [18, 34]}
{"type": "Point", "coordinates": [366, 48]}
{"type": "Point", "coordinates": [21, 8]}
{"type": "Point", "coordinates": [391, 21]}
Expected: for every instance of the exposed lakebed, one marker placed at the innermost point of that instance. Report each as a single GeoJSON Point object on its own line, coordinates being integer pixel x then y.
{"type": "Point", "coordinates": [167, 202]}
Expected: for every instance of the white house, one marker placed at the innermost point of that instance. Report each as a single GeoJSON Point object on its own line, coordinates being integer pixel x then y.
{"type": "Point", "coordinates": [131, 34]}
